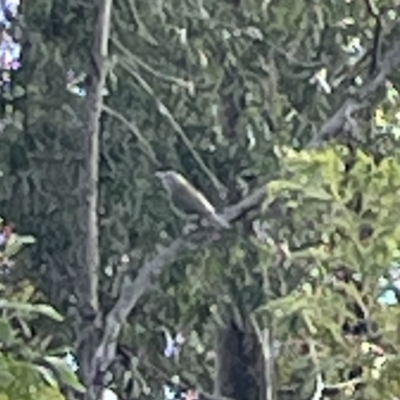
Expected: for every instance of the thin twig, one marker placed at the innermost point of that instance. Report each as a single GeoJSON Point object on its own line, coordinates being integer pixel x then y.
{"type": "Point", "coordinates": [163, 110]}
{"type": "Point", "coordinates": [134, 129]}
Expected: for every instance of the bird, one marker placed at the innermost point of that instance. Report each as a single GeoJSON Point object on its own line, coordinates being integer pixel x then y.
{"type": "Point", "coordinates": [186, 198]}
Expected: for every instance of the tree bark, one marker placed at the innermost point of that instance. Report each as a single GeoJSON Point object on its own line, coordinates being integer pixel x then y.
{"type": "Point", "coordinates": [240, 364]}
{"type": "Point", "coordinates": [88, 334]}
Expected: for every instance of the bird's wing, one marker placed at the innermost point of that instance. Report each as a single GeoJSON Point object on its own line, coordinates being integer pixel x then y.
{"type": "Point", "coordinates": [191, 200]}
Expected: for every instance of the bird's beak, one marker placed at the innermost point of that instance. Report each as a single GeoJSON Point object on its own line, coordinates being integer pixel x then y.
{"type": "Point", "coordinates": [159, 174]}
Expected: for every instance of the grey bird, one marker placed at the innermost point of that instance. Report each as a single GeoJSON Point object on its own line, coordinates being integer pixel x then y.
{"type": "Point", "coordinates": [185, 197]}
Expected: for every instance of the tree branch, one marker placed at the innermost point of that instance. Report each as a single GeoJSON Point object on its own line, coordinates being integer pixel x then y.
{"type": "Point", "coordinates": [90, 175]}
{"type": "Point", "coordinates": [132, 290]}
{"type": "Point", "coordinates": [87, 289]}
{"type": "Point", "coordinates": [360, 99]}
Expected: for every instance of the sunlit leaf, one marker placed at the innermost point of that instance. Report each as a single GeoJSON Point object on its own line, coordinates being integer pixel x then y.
{"type": "Point", "coordinates": [65, 373]}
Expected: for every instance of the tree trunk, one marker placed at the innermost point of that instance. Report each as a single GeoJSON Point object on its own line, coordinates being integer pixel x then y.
{"type": "Point", "coordinates": [240, 364]}
{"type": "Point", "coordinates": [90, 315]}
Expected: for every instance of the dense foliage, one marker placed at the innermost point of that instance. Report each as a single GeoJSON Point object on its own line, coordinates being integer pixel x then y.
{"type": "Point", "coordinates": [30, 367]}
{"type": "Point", "coordinates": [231, 94]}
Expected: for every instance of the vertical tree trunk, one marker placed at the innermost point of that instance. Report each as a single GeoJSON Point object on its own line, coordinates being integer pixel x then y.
{"type": "Point", "coordinates": [89, 254]}
{"type": "Point", "coordinates": [240, 364]}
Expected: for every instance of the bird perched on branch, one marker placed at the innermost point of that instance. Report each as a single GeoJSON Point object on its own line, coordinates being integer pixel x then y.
{"type": "Point", "coordinates": [188, 199]}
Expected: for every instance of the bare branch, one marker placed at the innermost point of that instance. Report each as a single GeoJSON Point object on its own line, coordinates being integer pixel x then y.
{"type": "Point", "coordinates": [90, 257]}
{"type": "Point", "coordinates": [132, 291]}
{"type": "Point", "coordinates": [89, 251]}
{"type": "Point", "coordinates": [249, 203]}
{"type": "Point", "coordinates": [360, 99]}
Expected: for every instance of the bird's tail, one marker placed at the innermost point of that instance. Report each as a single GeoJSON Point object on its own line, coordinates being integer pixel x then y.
{"type": "Point", "coordinates": [220, 220]}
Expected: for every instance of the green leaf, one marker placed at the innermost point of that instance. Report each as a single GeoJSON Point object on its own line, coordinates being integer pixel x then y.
{"type": "Point", "coordinates": [28, 239]}
{"type": "Point", "coordinates": [15, 244]}
{"type": "Point", "coordinates": [286, 305]}
{"type": "Point", "coordinates": [6, 378]}
{"type": "Point", "coordinates": [6, 332]}
{"type": "Point", "coordinates": [318, 194]}
{"type": "Point", "coordinates": [65, 373]}
{"type": "Point", "coordinates": [278, 186]}
{"type": "Point", "coordinates": [43, 309]}
{"type": "Point", "coordinates": [48, 311]}
{"type": "Point", "coordinates": [47, 375]}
